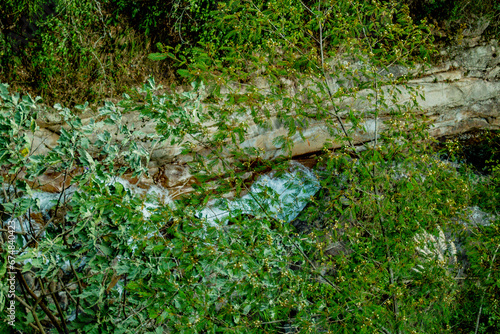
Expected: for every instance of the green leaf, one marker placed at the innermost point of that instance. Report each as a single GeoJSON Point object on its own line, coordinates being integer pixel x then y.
{"type": "Point", "coordinates": [108, 251]}
{"type": "Point", "coordinates": [247, 309]}
{"type": "Point", "coordinates": [157, 56]}
{"type": "Point", "coordinates": [184, 73]}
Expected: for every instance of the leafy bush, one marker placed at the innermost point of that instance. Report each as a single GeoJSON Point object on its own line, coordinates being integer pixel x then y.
{"type": "Point", "coordinates": [105, 266]}
{"type": "Point", "coordinates": [87, 50]}
{"type": "Point", "coordinates": [379, 259]}
{"type": "Point", "coordinates": [67, 50]}
{"type": "Point", "coordinates": [454, 16]}
{"type": "Point", "coordinates": [479, 312]}
{"type": "Point", "coordinates": [479, 153]}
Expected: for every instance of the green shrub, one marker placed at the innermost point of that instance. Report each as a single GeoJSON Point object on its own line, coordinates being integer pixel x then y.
{"type": "Point", "coordinates": [67, 50]}
{"type": "Point", "coordinates": [380, 259]}
{"type": "Point", "coordinates": [478, 298]}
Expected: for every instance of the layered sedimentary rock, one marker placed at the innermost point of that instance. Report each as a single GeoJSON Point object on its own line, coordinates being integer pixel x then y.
{"type": "Point", "coordinates": [461, 94]}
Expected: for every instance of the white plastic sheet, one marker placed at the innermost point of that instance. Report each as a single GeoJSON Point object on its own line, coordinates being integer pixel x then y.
{"type": "Point", "coordinates": [280, 197]}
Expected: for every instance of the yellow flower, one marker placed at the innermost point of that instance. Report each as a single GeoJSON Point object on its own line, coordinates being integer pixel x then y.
{"type": "Point", "coordinates": [25, 151]}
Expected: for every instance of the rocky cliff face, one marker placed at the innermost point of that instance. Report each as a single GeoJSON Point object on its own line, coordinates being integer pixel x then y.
{"type": "Point", "coordinates": [461, 94]}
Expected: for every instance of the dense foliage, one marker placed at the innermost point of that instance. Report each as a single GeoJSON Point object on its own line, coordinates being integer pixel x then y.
{"type": "Point", "coordinates": [79, 51]}
{"type": "Point", "coordinates": [374, 250]}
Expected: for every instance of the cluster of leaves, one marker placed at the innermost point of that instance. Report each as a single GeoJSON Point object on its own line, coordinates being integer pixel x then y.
{"type": "Point", "coordinates": [70, 51]}
{"type": "Point", "coordinates": [387, 211]}
{"type": "Point", "coordinates": [252, 29]}
{"type": "Point", "coordinates": [454, 16]}
{"type": "Point", "coordinates": [100, 262]}
{"type": "Point", "coordinates": [456, 10]}
{"type": "Point", "coordinates": [86, 50]}
{"type": "Point", "coordinates": [480, 152]}
{"type": "Point", "coordinates": [107, 267]}
{"type": "Point", "coordinates": [478, 299]}
{"type": "Point", "coordinates": [178, 20]}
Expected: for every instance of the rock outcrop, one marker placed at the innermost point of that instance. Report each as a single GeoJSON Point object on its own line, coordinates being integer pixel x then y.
{"type": "Point", "coordinates": [461, 94]}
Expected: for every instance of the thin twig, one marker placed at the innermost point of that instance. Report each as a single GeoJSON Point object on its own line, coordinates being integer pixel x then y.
{"type": "Point", "coordinates": [58, 307]}
{"type": "Point", "coordinates": [35, 316]}
{"type": "Point", "coordinates": [42, 304]}
{"type": "Point", "coordinates": [80, 288]}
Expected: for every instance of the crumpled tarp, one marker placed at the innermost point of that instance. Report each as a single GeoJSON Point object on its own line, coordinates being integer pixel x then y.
{"type": "Point", "coordinates": [280, 197]}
